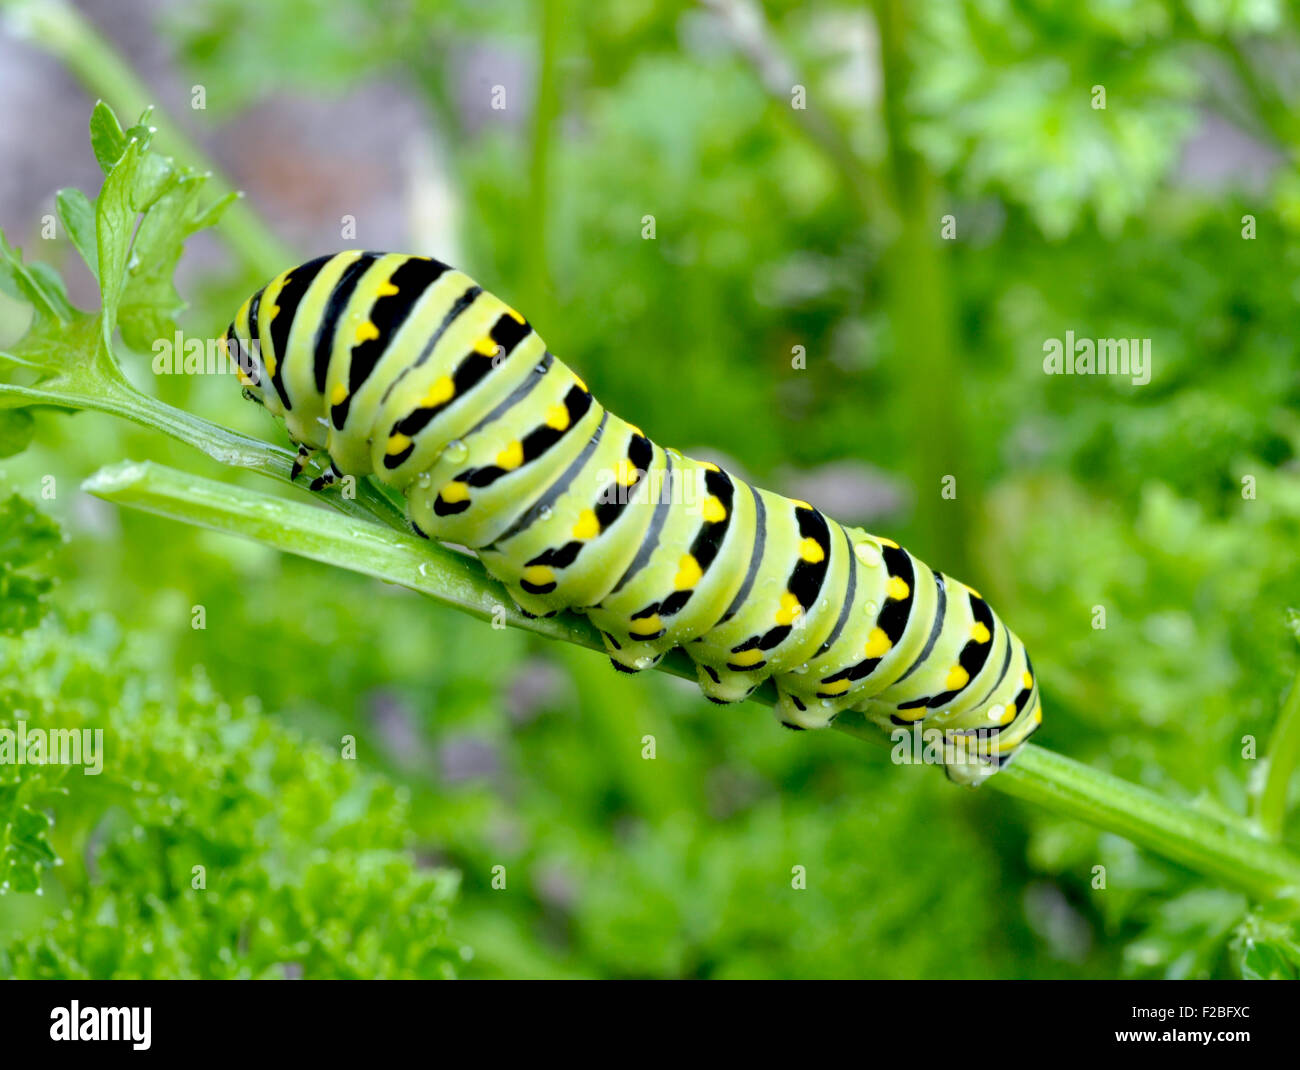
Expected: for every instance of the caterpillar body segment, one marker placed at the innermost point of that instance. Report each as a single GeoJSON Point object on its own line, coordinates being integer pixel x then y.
{"type": "Point", "coordinates": [403, 367]}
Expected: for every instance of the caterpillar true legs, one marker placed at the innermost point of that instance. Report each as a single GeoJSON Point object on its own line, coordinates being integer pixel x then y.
{"type": "Point", "coordinates": [403, 367]}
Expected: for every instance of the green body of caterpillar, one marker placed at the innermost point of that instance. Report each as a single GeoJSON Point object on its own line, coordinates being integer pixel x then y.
{"type": "Point", "coordinates": [401, 366]}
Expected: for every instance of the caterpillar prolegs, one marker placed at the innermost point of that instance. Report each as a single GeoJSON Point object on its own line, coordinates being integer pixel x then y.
{"type": "Point", "coordinates": [403, 367]}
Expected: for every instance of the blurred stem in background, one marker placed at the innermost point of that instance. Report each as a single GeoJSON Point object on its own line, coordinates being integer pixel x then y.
{"type": "Point", "coordinates": [64, 32]}
{"type": "Point", "coordinates": [1283, 756]}
{"type": "Point", "coordinates": [546, 105]}
{"type": "Point", "coordinates": [921, 315]}
{"type": "Point", "coordinates": [899, 212]}
{"type": "Point", "coordinates": [750, 35]}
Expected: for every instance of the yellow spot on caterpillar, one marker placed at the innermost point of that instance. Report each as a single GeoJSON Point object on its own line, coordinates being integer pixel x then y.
{"type": "Point", "coordinates": [1009, 714]}
{"type": "Point", "coordinates": [878, 644]}
{"type": "Point", "coordinates": [790, 609]}
{"type": "Point", "coordinates": [456, 491]}
{"type": "Point", "coordinates": [688, 573]}
{"type": "Point", "coordinates": [897, 588]}
{"type": "Point", "coordinates": [646, 625]}
{"type": "Point", "coordinates": [244, 378]}
{"type": "Point", "coordinates": [587, 527]}
{"type": "Point", "coordinates": [979, 632]}
{"type": "Point", "coordinates": [387, 289]}
{"type": "Point", "coordinates": [837, 688]}
{"type": "Point", "coordinates": [339, 394]}
{"type": "Point", "coordinates": [485, 347]}
{"type": "Point", "coordinates": [271, 313]}
{"type": "Point", "coordinates": [397, 443]}
{"type": "Point", "coordinates": [537, 575]}
{"type": "Point", "coordinates": [581, 385]}
{"type": "Point", "coordinates": [626, 473]}
{"type": "Point", "coordinates": [714, 510]}
{"type": "Point", "coordinates": [511, 457]}
{"type": "Point", "coordinates": [957, 679]}
{"type": "Point", "coordinates": [972, 590]}
{"type": "Point", "coordinates": [710, 466]}
{"type": "Point", "coordinates": [886, 542]}
{"type": "Point", "coordinates": [367, 332]}
{"type": "Point", "coordinates": [799, 503]}
{"type": "Point", "coordinates": [1027, 679]}
{"type": "Point", "coordinates": [514, 315]}
{"type": "Point", "coordinates": [636, 430]}
{"type": "Point", "coordinates": [810, 550]}
{"type": "Point", "coordinates": [1038, 715]}
{"type": "Point", "coordinates": [917, 714]}
{"type": "Point", "coordinates": [270, 363]}
{"type": "Point", "coordinates": [441, 392]}
{"type": "Point", "coordinates": [747, 657]}
{"type": "Point", "coordinates": [557, 417]}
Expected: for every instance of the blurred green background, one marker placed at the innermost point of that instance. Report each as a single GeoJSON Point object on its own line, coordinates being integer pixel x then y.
{"type": "Point", "coordinates": [776, 227]}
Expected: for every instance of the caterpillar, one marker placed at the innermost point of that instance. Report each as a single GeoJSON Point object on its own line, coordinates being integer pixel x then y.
{"type": "Point", "coordinates": [402, 367]}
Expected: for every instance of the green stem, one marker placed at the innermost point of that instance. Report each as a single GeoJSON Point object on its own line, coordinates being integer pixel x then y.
{"type": "Point", "coordinates": [1283, 756]}
{"type": "Point", "coordinates": [64, 32]}
{"type": "Point", "coordinates": [1219, 849]}
{"type": "Point", "coordinates": [115, 396]}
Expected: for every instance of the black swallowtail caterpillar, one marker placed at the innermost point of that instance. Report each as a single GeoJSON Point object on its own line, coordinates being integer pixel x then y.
{"type": "Point", "coordinates": [403, 367]}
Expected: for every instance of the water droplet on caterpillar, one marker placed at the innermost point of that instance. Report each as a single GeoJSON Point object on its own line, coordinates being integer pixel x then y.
{"type": "Point", "coordinates": [870, 608]}
{"type": "Point", "coordinates": [455, 451]}
{"type": "Point", "coordinates": [643, 662]}
{"type": "Point", "coordinates": [800, 669]}
{"type": "Point", "coordinates": [424, 568]}
{"type": "Point", "coordinates": [868, 553]}
{"type": "Point", "coordinates": [424, 480]}
{"type": "Point", "coordinates": [995, 713]}
{"type": "Point", "coordinates": [546, 513]}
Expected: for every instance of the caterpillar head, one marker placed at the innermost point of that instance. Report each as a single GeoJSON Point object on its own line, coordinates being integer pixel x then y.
{"type": "Point", "coordinates": [246, 361]}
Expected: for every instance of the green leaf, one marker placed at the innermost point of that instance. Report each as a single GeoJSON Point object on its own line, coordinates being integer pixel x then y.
{"type": "Point", "coordinates": [153, 178]}
{"type": "Point", "coordinates": [78, 215]}
{"type": "Point", "coordinates": [16, 430]}
{"type": "Point", "coordinates": [115, 223]}
{"type": "Point", "coordinates": [37, 284]}
{"type": "Point", "coordinates": [107, 140]}
{"type": "Point", "coordinates": [211, 215]}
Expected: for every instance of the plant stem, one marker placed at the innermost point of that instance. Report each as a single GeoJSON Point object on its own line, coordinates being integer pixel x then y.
{"type": "Point", "coordinates": [1209, 845]}
{"type": "Point", "coordinates": [113, 395]}
{"type": "Point", "coordinates": [1202, 842]}
{"type": "Point", "coordinates": [64, 32]}
{"type": "Point", "coordinates": [1283, 756]}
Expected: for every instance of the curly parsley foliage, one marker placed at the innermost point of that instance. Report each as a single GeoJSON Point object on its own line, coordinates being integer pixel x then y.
{"type": "Point", "coordinates": [28, 539]}
{"type": "Point", "coordinates": [214, 843]}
